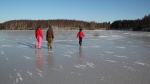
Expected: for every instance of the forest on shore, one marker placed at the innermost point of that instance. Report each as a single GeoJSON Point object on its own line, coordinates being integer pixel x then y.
{"type": "Point", "coordinates": [64, 24]}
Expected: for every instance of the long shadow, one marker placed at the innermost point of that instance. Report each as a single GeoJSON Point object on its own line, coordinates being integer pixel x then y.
{"type": "Point", "coordinates": [30, 45]}
{"type": "Point", "coordinates": [67, 43]}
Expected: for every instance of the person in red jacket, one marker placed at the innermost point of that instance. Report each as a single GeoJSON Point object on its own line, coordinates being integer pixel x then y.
{"type": "Point", "coordinates": [80, 35]}
{"type": "Point", "coordinates": [39, 37]}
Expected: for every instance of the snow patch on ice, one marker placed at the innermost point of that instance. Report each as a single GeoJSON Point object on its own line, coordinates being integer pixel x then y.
{"type": "Point", "coordinates": [94, 39]}
{"type": "Point", "coordinates": [134, 46]}
{"type": "Point", "coordinates": [19, 76]}
{"type": "Point", "coordinates": [129, 42]}
{"type": "Point", "coordinates": [30, 73]}
{"type": "Point", "coordinates": [70, 52]}
{"type": "Point", "coordinates": [2, 52]}
{"type": "Point", "coordinates": [27, 57]}
{"type": "Point", "coordinates": [141, 63]}
{"type": "Point", "coordinates": [90, 64]}
{"type": "Point", "coordinates": [110, 61]}
{"type": "Point", "coordinates": [83, 66]}
{"type": "Point", "coordinates": [60, 66]}
{"type": "Point", "coordinates": [113, 37]}
{"type": "Point", "coordinates": [121, 47]}
{"type": "Point", "coordinates": [6, 58]}
{"type": "Point", "coordinates": [120, 56]}
{"type": "Point", "coordinates": [148, 35]}
{"type": "Point", "coordinates": [147, 45]}
{"type": "Point", "coordinates": [40, 73]}
{"type": "Point", "coordinates": [129, 68]}
{"type": "Point", "coordinates": [104, 36]}
{"type": "Point", "coordinates": [75, 73]}
{"type": "Point", "coordinates": [126, 33]}
{"type": "Point", "coordinates": [80, 66]}
{"type": "Point", "coordinates": [66, 55]}
{"type": "Point", "coordinates": [96, 46]}
{"type": "Point", "coordinates": [108, 52]}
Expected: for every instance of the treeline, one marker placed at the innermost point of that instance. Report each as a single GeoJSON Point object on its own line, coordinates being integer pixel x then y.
{"type": "Point", "coordinates": [58, 24]}
{"type": "Point", "coordinates": [135, 25]}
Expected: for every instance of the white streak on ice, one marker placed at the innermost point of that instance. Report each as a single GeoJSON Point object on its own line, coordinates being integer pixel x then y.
{"type": "Point", "coordinates": [6, 46]}
{"type": "Point", "coordinates": [126, 33]}
{"type": "Point", "coordinates": [141, 63]}
{"type": "Point", "coordinates": [120, 56]}
{"type": "Point", "coordinates": [110, 60]}
{"type": "Point", "coordinates": [95, 46]}
{"type": "Point", "coordinates": [22, 46]}
{"type": "Point", "coordinates": [121, 47]}
{"type": "Point", "coordinates": [147, 45]}
{"type": "Point", "coordinates": [6, 58]}
{"type": "Point", "coordinates": [75, 73]}
{"type": "Point", "coordinates": [104, 36]}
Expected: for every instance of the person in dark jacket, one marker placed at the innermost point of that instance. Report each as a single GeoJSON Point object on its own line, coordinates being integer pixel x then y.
{"type": "Point", "coordinates": [50, 37]}
{"type": "Point", "coordinates": [80, 35]}
{"type": "Point", "coordinates": [39, 37]}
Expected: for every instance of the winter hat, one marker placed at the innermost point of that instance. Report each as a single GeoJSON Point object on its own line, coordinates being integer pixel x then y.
{"type": "Point", "coordinates": [50, 26]}
{"type": "Point", "coordinates": [80, 29]}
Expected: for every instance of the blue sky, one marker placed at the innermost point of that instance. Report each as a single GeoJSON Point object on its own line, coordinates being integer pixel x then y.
{"type": "Point", "coordinates": [85, 10]}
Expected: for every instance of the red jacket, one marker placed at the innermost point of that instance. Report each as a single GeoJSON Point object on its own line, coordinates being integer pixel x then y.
{"type": "Point", "coordinates": [80, 34]}
{"type": "Point", "coordinates": [38, 33]}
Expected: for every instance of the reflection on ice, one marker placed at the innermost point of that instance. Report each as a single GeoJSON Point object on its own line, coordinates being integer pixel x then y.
{"type": "Point", "coordinates": [81, 55]}
{"type": "Point", "coordinates": [39, 59]}
{"type": "Point", "coordinates": [50, 59]}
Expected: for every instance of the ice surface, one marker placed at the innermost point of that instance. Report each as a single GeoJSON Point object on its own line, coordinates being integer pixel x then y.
{"type": "Point", "coordinates": [114, 57]}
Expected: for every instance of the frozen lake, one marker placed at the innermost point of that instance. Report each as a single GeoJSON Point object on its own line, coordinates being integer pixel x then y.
{"type": "Point", "coordinates": [115, 57]}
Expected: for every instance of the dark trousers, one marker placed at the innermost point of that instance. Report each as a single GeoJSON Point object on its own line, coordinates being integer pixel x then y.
{"type": "Point", "coordinates": [80, 41]}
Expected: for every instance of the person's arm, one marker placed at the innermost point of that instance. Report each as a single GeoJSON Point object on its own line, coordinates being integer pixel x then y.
{"type": "Point", "coordinates": [77, 35]}
{"type": "Point", "coordinates": [52, 34]}
{"type": "Point", "coordinates": [83, 34]}
{"type": "Point", "coordinates": [41, 33]}
{"type": "Point", "coordinates": [47, 35]}
{"type": "Point", "coordinates": [35, 34]}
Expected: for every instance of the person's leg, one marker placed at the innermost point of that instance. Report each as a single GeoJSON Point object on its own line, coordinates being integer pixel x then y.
{"type": "Point", "coordinates": [48, 43]}
{"type": "Point", "coordinates": [40, 42]}
{"type": "Point", "coordinates": [51, 42]}
{"type": "Point", "coordinates": [80, 41]}
{"type": "Point", "coordinates": [36, 44]}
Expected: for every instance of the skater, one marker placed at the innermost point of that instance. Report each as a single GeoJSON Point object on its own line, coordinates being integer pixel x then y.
{"type": "Point", "coordinates": [39, 37]}
{"type": "Point", "coordinates": [50, 37]}
{"type": "Point", "coordinates": [80, 35]}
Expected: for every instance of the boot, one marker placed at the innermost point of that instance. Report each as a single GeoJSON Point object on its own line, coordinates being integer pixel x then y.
{"type": "Point", "coordinates": [50, 47]}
